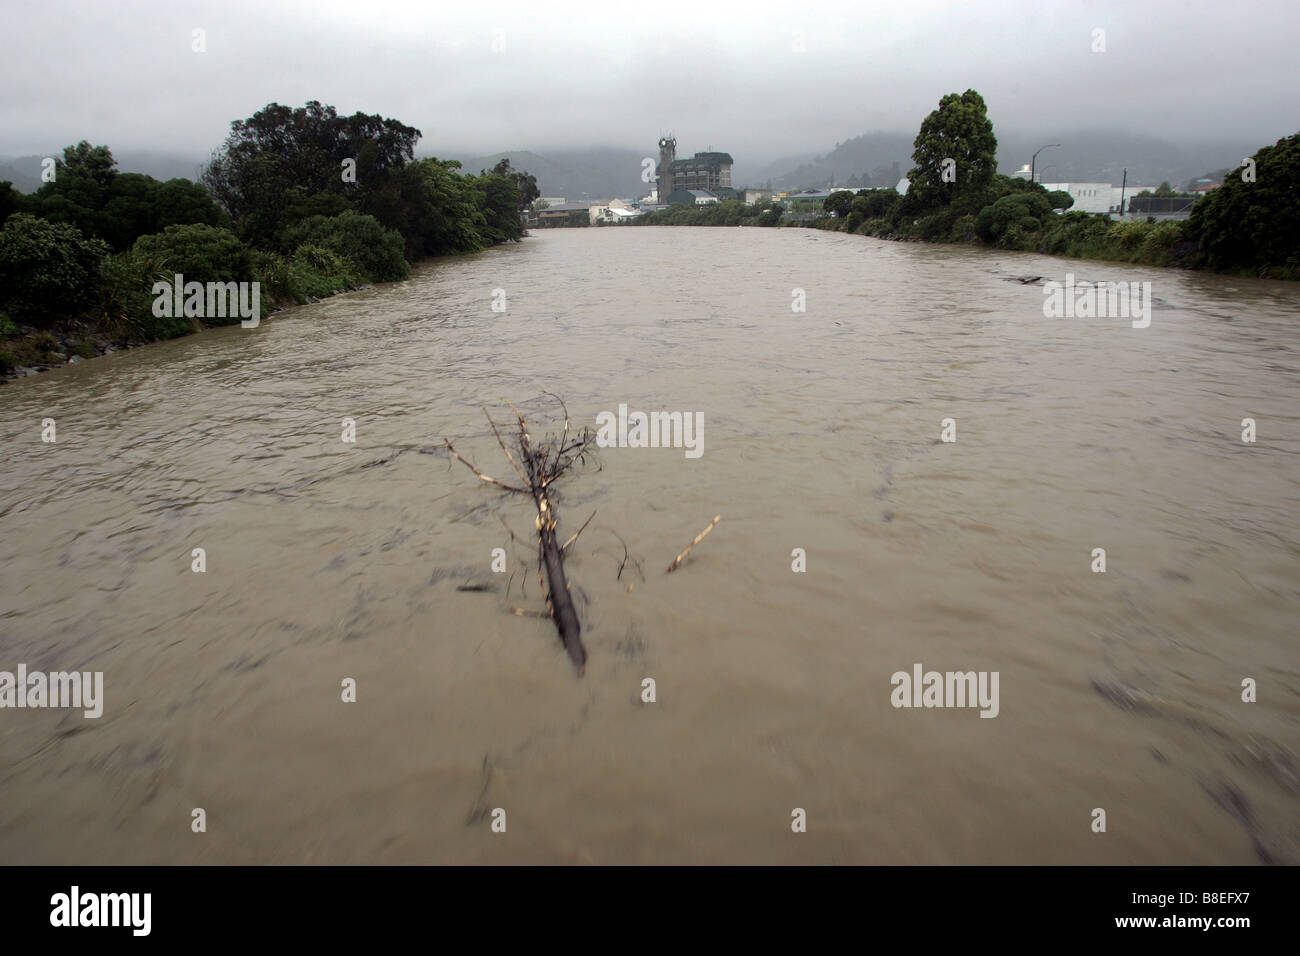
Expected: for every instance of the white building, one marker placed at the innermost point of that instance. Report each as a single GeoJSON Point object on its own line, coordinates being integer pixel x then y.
{"type": "Point", "coordinates": [1088, 197]}
{"type": "Point", "coordinates": [613, 210]}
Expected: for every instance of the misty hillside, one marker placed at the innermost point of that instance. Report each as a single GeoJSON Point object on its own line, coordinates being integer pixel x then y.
{"type": "Point", "coordinates": [1083, 156]}
{"type": "Point", "coordinates": [881, 158]}
{"type": "Point", "coordinates": [871, 159]}
{"type": "Point", "coordinates": [595, 173]}
{"type": "Point", "coordinates": [25, 171]}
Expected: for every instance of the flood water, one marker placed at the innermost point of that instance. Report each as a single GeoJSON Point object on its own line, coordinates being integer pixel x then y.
{"type": "Point", "coordinates": [372, 560]}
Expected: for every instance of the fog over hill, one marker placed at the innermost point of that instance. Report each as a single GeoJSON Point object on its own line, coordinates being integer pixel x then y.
{"type": "Point", "coordinates": [602, 172]}
{"type": "Point", "coordinates": [25, 171]}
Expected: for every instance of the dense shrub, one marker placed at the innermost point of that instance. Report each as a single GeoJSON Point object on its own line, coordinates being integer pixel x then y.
{"type": "Point", "coordinates": [376, 251]}
{"type": "Point", "coordinates": [275, 273]}
{"type": "Point", "coordinates": [877, 203]}
{"type": "Point", "coordinates": [1024, 211]}
{"type": "Point", "coordinates": [126, 298]}
{"type": "Point", "coordinates": [312, 272]}
{"type": "Point", "coordinates": [47, 270]}
{"type": "Point", "coordinates": [199, 254]}
{"type": "Point", "coordinates": [963, 230]}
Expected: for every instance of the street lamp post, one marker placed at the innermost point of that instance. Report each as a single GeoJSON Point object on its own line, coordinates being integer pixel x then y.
{"type": "Point", "coordinates": [1035, 157]}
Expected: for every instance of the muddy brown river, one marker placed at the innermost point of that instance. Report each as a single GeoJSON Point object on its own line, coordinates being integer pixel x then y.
{"type": "Point", "coordinates": [372, 561]}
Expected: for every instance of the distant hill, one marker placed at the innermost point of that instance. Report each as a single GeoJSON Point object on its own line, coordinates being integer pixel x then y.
{"type": "Point", "coordinates": [595, 173]}
{"type": "Point", "coordinates": [879, 158]}
{"type": "Point", "coordinates": [25, 171]}
{"type": "Point", "coordinates": [1084, 156]}
{"type": "Point", "coordinates": [16, 172]}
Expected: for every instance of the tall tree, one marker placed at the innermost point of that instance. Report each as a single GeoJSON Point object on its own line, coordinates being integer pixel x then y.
{"type": "Point", "coordinates": [281, 157]}
{"type": "Point", "coordinates": [525, 182]}
{"type": "Point", "coordinates": [1252, 221]}
{"type": "Point", "coordinates": [955, 154]}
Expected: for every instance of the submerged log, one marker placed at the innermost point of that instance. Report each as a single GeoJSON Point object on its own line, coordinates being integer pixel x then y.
{"type": "Point", "coordinates": [559, 600]}
{"type": "Point", "coordinates": [542, 464]}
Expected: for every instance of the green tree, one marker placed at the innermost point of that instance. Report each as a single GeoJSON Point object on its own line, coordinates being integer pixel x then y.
{"type": "Point", "coordinates": [88, 192]}
{"type": "Point", "coordinates": [11, 200]}
{"type": "Point", "coordinates": [280, 156]}
{"type": "Point", "coordinates": [1254, 226]}
{"type": "Point", "coordinates": [1060, 199]}
{"type": "Point", "coordinates": [500, 201]}
{"type": "Point", "coordinates": [877, 203]}
{"type": "Point", "coordinates": [769, 214]}
{"type": "Point", "coordinates": [959, 130]}
{"type": "Point", "coordinates": [94, 163]}
{"type": "Point", "coordinates": [444, 214]}
{"type": "Point", "coordinates": [525, 182]}
{"type": "Point", "coordinates": [838, 203]}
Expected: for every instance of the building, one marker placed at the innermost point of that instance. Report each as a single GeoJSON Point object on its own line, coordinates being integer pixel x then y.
{"type": "Point", "coordinates": [612, 210]}
{"type": "Point", "coordinates": [1088, 197]}
{"type": "Point", "coordinates": [710, 171]}
{"type": "Point", "coordinates": [809, 203]}
{"type": "Point", "coordinates": [691, 197]}
{"type": "Point", "coordinates": [562, 212]}
{"type": "Point", "coordinates": [615, 214]}
{"type": "Point", "coordinates": [752, 196]}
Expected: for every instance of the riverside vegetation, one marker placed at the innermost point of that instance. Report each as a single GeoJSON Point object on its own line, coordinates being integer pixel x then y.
{"type": "Point", "coordinates": [1248, 226]}
{"type": "Point", "coordinates": [303, 201]}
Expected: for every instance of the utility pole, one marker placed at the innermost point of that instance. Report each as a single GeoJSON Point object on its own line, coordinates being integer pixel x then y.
{"type": "Point", "coordinates": [1122, 186]}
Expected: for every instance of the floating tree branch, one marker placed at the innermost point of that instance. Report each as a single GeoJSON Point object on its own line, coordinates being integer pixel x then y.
{"type": "Point", "coordinates": [698, 538]}
{"type": "Point", "coordinates": [542, 464]}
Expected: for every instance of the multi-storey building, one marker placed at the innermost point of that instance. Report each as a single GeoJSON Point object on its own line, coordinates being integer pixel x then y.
{"type": "Point", "coordinates": [705, 171]}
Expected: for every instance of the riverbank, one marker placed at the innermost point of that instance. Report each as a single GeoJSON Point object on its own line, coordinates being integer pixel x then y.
{"type": "Point", "coordinates": [30, 351]}
{"type": "Point", "coordinates": [1078, 236]}
{"type": "Point", "coordinates": [1072, 235]}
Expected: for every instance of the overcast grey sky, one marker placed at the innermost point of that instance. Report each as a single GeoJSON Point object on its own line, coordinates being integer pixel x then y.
{"type": "Point", "coordinates": [582, 73]}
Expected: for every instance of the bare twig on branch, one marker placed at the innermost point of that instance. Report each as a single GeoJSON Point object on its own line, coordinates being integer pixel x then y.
{"type": "Point", "coordinates": [541, 465]}
{"type": "Point", "coordinates": [698, 538]}
{"type": "Point", "coordinates": [627, 559]}
{"type": "Point", "coordinates": [451, 448]}
{"type": "Point", "coordinates": [565, 546]}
